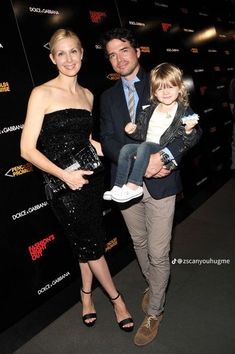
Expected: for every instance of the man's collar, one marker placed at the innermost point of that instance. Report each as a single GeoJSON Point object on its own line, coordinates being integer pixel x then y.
{"type": "Point", "coordinates": [127, 83]}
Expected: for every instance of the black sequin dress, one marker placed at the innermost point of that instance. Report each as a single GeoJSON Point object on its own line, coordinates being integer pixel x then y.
{"type": "Point", "coordinates": [79, 212]}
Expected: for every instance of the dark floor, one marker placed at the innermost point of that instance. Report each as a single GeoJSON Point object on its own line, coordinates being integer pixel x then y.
{"type": "Point", "coordinates": [199, 313]}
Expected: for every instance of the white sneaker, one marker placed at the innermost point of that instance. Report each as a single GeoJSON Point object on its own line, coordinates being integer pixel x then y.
{"type": "Point", "coordinates": [108, 194]}
{"type": "Point", "coordinates": [125, 194]}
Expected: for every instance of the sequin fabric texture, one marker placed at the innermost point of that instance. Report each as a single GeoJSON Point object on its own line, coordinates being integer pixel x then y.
{"type": "Point", "coordinates": [80, 212]}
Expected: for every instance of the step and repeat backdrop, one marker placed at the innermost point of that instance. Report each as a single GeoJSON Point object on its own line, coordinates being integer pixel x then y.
{"type": "Point", "coordinates": [36, 261]}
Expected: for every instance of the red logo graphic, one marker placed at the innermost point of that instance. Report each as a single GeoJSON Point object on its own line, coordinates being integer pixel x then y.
{"type": "Point", "coordinates": [97, 16]}
{"type": "Point", "coordinates": [113, 76]}
{"type": "Point", "coordinates": [166, 26]}
{"type": "Point", "coordinates": [145, 49]}
{"type": "Point", "coordinates": [37, 249]}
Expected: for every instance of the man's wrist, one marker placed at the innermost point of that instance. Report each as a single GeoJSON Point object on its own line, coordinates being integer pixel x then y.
{"type": "Point", "coordinates": [167, 160]}
{"type": "Point", "coordinates": [171, 165]}
{"type": "Point", "coordinates": [164, 157]}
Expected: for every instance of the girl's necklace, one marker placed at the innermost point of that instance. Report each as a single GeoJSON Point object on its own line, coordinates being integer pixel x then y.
{"type": "Point", "coordinates": [168, 113]}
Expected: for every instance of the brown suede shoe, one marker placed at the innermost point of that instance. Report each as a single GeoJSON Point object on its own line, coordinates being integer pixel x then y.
{"type": "Point", "coordinates": [148, 330]}
{"type": "Point", "coordinates": [145, 301]}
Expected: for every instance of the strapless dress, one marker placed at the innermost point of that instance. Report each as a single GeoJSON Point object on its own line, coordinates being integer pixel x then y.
{"type": "Point", "coordinates": [79, 212]}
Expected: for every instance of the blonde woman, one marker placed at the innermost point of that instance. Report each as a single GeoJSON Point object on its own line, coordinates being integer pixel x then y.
{"type": "Point", "coordinates": [58, 126]}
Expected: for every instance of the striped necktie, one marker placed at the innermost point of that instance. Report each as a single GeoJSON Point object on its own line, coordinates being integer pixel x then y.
{"type": "Point", "coordinates": [131, 101]}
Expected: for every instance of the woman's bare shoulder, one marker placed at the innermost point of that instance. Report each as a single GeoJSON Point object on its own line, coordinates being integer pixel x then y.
{"type": "Point", "coordinates": [41, 96]}
{"type": "Point", "coordinates": [43, 89]}
{"type": "Point", "coordinates": [88, 95]}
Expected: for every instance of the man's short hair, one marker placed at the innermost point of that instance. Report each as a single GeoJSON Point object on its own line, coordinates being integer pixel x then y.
{"type": "Point", "coordinates": [123, 34]}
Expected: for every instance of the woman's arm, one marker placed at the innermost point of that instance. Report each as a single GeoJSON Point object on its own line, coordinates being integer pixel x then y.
{"type": "Point", "coordinates": [31, 130]}
{"type": "Point", "coordinates": [97, 146]}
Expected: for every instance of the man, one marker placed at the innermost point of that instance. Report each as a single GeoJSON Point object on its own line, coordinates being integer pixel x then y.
{"type": "Point", "coordinates": [150, 220]}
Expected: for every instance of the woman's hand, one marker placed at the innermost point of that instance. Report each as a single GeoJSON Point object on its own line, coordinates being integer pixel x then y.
{"type": "Point", "coordinates": [76, 179]}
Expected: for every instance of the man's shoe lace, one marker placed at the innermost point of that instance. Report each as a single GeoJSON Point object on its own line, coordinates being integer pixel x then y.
{"type": "Point", "coordinates": [148, 321]}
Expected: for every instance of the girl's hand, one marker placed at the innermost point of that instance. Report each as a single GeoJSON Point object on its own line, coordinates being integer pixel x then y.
{"type": "Point", "coordinates": [130, 128]}
{"type": "Point", "coordinates": [189, 125]}
{"type": "Point", "coordinates": [190, 122]}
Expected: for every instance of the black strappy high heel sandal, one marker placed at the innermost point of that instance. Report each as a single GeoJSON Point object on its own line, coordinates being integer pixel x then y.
{"type": "Point", "coordinates": [126, 320]}
{"type": "Point", "coordinates": [88, 316]}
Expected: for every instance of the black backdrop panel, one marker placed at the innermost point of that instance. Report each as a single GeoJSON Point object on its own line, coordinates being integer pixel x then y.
{"type": "Point", "coordinates": [87, 18]}
{"type": "Point", "coordinates": [36, 259]}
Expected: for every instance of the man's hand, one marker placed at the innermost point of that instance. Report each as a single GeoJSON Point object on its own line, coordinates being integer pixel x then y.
{"type": "Point", "coordinates": [154, 166]}
{"type": "Point", "coordinates": [162, 173]}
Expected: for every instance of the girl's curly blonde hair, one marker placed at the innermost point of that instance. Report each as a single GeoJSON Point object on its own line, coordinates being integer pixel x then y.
{"type": "Point", "coordinates": [167, 75]}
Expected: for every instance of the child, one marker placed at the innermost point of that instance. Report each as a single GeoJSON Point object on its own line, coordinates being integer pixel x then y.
{"type": "Point", "coordinates": [170, 107]}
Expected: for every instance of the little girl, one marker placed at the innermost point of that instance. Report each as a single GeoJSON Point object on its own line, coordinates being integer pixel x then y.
{"type": "Point", "coordinates": [169, 107]}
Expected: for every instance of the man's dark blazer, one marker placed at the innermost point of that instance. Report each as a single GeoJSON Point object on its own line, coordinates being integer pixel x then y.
{"type": "Point", "coordinates": [114, 115]}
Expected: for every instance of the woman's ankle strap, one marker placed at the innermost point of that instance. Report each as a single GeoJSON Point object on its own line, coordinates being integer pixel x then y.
{"type": "Point", "coordinates": [86, 292]}
{"type": "Point", "coordinates": [116, 297]}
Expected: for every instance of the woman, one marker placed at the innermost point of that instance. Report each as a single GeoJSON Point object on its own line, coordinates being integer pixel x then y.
{"type": "Point", "coordinates": [58, 124]}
